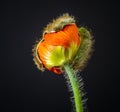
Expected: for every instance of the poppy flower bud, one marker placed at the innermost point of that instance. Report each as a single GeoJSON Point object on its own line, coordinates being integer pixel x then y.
{"type": "Point", "coordinates": [62, 42]}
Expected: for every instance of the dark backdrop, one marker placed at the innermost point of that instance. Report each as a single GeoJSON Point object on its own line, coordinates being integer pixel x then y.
{"type": "Point", "coordinates": [23, 88]}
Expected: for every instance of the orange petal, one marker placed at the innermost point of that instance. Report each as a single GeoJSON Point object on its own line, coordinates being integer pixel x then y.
{"type": "Point", "coordinates": [63, 37]}
{"type": "Point", "coordinates": [43, 50]}
{"type": "Point", "coordinates": [55, 70]}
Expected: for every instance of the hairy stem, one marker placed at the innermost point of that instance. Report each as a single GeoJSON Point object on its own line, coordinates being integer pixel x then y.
{"type": "Point", "coordinates": [75, 88]}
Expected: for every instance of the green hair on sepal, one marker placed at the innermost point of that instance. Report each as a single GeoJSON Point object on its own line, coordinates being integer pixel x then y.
{"type": "Point", "coordinates": [85, 50]}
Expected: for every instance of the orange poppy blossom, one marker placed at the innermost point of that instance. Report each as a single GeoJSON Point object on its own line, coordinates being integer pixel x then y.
{"type": "Point", "coordinates": [63, 42]}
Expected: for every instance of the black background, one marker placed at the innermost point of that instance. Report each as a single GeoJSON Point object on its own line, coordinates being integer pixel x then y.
{"type": "Point", "coordinates": [23, 88]}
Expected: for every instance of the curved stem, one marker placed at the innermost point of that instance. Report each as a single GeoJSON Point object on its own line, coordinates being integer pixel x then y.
{"type": "Point", "coordinates": [75, 88]}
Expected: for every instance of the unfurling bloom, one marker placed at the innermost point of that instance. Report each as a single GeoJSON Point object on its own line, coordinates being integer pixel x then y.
{"type": "Point", "coordinates": [63, 42]}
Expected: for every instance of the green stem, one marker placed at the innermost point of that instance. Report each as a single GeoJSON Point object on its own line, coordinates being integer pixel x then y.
{"type": "Point", "coordinates": [75, 88]}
